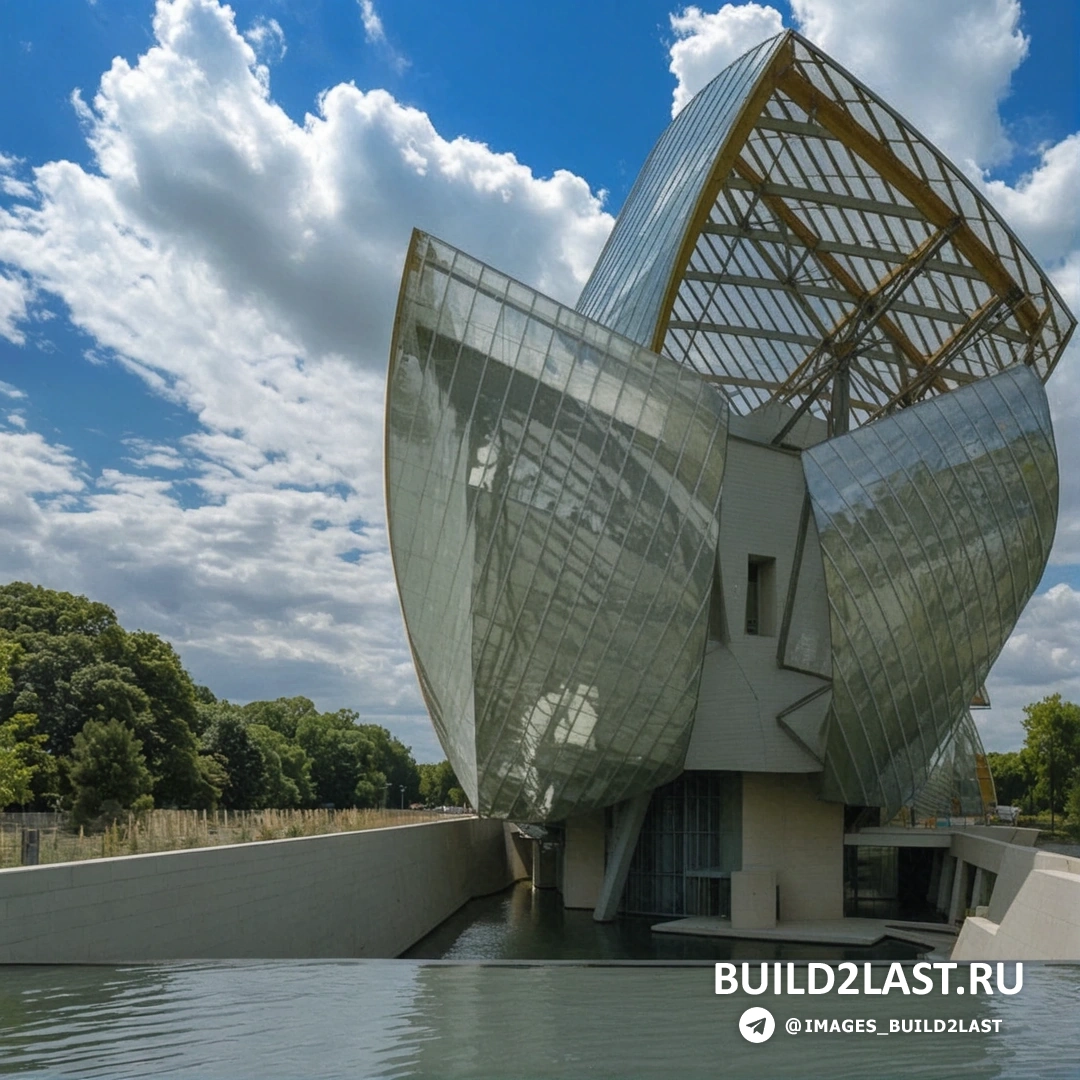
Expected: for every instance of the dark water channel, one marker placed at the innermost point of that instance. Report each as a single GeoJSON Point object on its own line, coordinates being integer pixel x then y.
{"type": "Point", "coordinates": [523, 923]}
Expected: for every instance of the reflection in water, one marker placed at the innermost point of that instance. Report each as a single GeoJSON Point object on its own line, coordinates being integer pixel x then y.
{"type": "Point", "coordinates": [526, 924]}
{"type": "Point", "coordinates": [358, 1019]}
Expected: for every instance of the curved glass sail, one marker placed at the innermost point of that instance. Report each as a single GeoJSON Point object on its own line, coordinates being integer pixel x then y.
{"type": "Point", "coordinates": [954, 787]}
{"type": "Point", "coordinates": [935, 527]}
{"type": "Point", "coordinates": [552, 500]}
{"type": "Point", "coordinates": [627, 287]}
{"type": "Point", "coordinates": [796, 240]}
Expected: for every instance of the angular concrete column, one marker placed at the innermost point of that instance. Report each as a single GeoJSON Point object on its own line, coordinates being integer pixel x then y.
{"type": "Point", "coordinates": [544, 865]}
{"type": "Point", "coordinates": [629, 818]}
{"type": "Point", "coordinates": [959, 887]}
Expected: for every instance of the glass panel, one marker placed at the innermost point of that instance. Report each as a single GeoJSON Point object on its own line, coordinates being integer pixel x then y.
{"type": "Point", "coordinates": [554, 565]}
{"type": "Point", "coordinates": [690, 842]}
{"type": "Point", "coordinates": [935, 525]}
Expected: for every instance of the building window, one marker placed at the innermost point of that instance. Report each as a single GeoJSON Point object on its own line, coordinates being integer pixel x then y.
{"type": "Point", "coordinates": [761, 596]}
{"type": "Point", "coordinates": [689, 844]}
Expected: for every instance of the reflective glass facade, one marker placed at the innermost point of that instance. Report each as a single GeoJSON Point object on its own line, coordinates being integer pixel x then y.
{"type": "Point", "coordinates": [935, 526]}
{"type": "Point", "coordinates": [952, 788]}
{"type": "Point", "coordinates": [791, 249]}
{"type": "Point", "coordinates": [552, 497]}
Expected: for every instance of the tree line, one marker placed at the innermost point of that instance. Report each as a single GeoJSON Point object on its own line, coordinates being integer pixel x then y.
{"type": "Point", "coordinates": [97, 719]}
{"type": "Point", "coordinates": [1044, 775]}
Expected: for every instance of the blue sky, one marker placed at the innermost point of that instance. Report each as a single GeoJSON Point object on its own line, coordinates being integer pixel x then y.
{"type": "Point", "coordinates": [199, 256]}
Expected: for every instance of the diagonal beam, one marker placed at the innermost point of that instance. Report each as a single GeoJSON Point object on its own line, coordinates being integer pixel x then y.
{"type": "Point", "coordinates": [850, 330]}
{"type": "Point", "coordinates": [808, 238]}
{"type": "Point", "coordinates": [877, 154]}
{"type": "Point", "coordinates": [747, 117]}
{"type": "Point", "coordinates": [941, 359]}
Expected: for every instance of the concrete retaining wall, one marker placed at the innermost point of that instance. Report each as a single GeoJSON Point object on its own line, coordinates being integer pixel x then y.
{"type": "Point", "coordinates": [1041, 923]}
{"type": "Point", "coordinates": [363, 894]}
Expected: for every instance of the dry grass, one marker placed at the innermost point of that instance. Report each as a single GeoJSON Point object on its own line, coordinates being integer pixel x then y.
{"type": "Point", "coordinates": [173, 830]}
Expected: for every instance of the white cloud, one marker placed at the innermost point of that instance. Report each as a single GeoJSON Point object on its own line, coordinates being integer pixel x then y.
{"type": "Point", "coordinates": [14, 298]}
{"type": "Point", "coordinates": [706, 42]}
{"type": "Point", "coordinates": [245, 267]}
{"type": "Point", "coordinates": [946, 67]}
{"type": "Point", "coordinates": [267, 39]}
{"type": "Point", "coordinates": [1040, 658]}
{"type": "Point", "coordinates": [375, 34]}
{"type": "Point", "coordinates": [373, 27]}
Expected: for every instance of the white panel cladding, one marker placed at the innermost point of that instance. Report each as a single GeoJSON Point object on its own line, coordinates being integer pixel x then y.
{"type": "Point", "coordinates": [788, 829]}
{"type": "Point", "coordinates": [743, 688]}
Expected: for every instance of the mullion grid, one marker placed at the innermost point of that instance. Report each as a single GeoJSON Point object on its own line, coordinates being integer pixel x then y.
{"type": "Point", "coordinates": [719, 429]}
{"type": "Point", "coordinates": [556, 651]}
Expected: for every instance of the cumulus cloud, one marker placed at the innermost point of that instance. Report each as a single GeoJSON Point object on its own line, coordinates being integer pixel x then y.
{"type": "Point", "coordinates": [244, 267]}
{"type": "Point", "coordinates": [1040, 658]}
{"type": "Point", "coordinates": [706, 42]}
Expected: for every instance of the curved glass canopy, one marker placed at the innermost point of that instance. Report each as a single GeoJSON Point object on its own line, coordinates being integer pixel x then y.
{"type": "Point", "coordinates": [793, 239]}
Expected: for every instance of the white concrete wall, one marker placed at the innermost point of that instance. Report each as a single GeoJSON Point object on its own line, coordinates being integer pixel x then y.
{"type": "Point", "coordinates": [742, 687]}
{"type": "Point", "coordinates": [1041, 923]}
{"type": "Point", "coordinates": [788, 829]}
{"type": "Point", "coordinates": [362, 894]}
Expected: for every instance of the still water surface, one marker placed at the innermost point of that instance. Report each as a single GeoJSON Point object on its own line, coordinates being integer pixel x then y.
{"type": "Point", "coordinates": [473, 1002]}
{"type": "Point", "coordinates": [399, 1018]}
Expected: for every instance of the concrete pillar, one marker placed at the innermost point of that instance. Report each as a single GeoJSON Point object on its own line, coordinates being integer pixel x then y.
{"type": "Point", "coordinates": [753, 899]}
{"type": "Point", "coordinates": [948, 869]}
{"type": "Point", "coordinates": [544, 865]}
{"type": "Point", "coordinates": [959, 887]}
{"type": "Point", "coordinates": [583, 860]}
{"type": "Point", "coordinates": [629, 818]}
{"type": "Point", "coordinates": [786, 827]}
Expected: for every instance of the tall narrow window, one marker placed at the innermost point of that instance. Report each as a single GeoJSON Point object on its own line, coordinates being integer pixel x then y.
{"type": "Point", "coordinates": [761, 596]}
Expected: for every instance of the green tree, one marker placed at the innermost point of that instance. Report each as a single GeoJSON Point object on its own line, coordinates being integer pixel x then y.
{"type": "Point", "coordinates": [1013, 778]}
{"type": "Point", "coordinates": [1052, 748]}
{"type": "Point", "coordinates": [108, 771]}
{"type": "Point", "coordinates": [75, 663]}
{"type": "Point", "coordinates": [15, 773]}
{"type": "Point", "coordinates": [281, 715]}
{"type": "Point", "coordinates": [436, 783]}
{"type": "Point", "coordinates": [343, 766]}
{"type": "Point", "coordinates": [394, 760]}
{"type": "Point", "coordinates": [227, 739]}
{"type": "Point", "coordinates": [288, 769]}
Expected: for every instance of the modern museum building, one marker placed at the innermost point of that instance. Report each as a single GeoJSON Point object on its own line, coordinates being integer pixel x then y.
{"type": "Point", "coordinates": [709, 571]}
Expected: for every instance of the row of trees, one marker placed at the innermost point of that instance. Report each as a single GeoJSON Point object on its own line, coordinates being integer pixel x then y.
{"type": "Point", "coordinates": [1043, 776]}
{"type": "Point", "coordinates": [97, 718]}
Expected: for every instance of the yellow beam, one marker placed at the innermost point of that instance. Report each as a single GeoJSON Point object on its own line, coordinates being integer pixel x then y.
{"type": "Point", "coordinates": [748, 116]}
{"type": "Point", "coordinates": [880, 157]}
{"type": "Point", "coordinates": [808, 238]}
